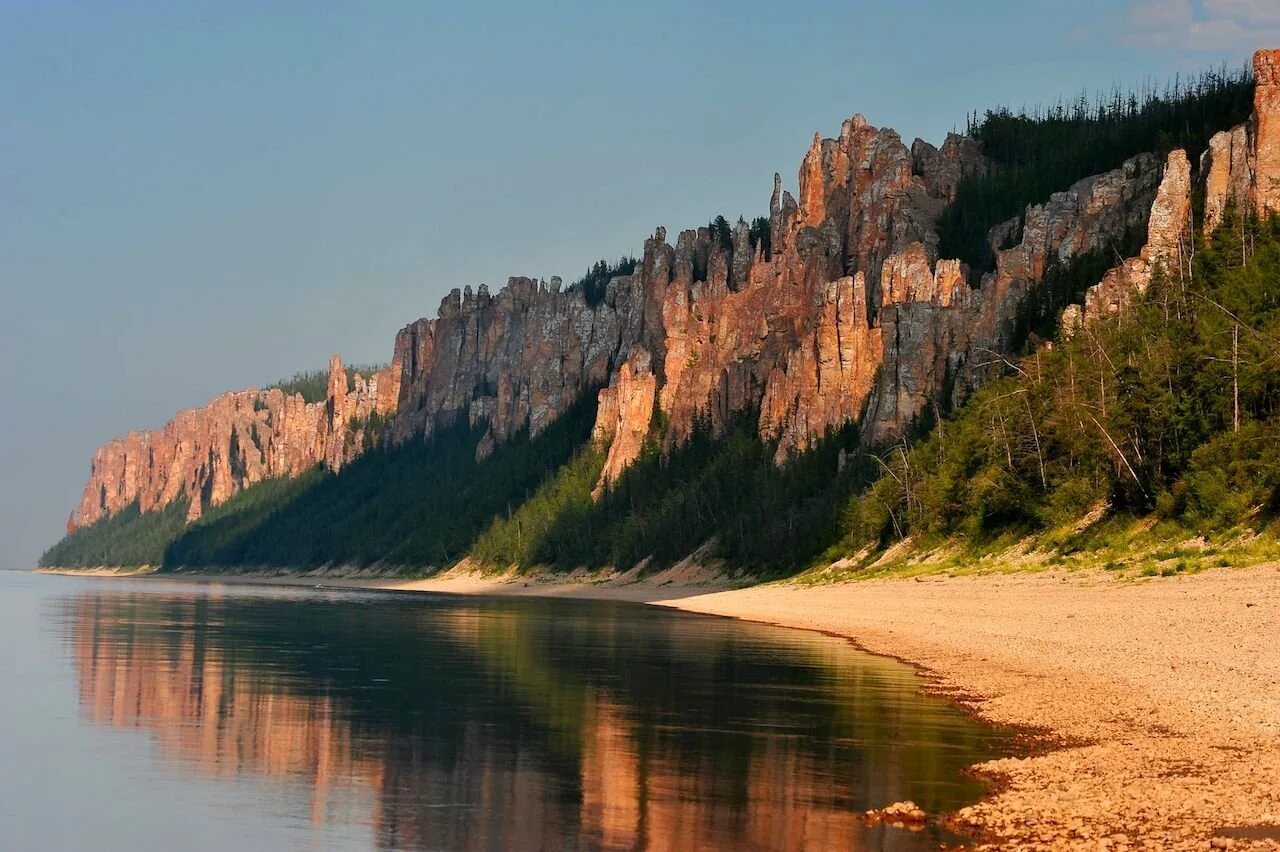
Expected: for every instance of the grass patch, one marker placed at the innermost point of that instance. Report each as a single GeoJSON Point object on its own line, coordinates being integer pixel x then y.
{"type": "Point", "coordinates": [1121, 546]}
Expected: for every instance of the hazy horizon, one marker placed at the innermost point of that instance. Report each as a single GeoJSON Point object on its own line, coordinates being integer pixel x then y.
{"type": "Point", "coordinates": [215, 197]}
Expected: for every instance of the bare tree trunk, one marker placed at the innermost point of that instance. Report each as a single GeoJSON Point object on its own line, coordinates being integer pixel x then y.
{"type": "Point", "coordinates": [1120, 453]}
{"type": "Point", "coordinates": [942, 435]}
{"type": "Point", "coordinates": [1235, 377]}
{"type": "Point", "coordinates": [1008, 453]}
{"type": "Point", "coordinates": [1075, 402]}
{"type": "Point", "coordinates": [906, 474]}
{"type": "Point", "coordinates": [1035, 434]}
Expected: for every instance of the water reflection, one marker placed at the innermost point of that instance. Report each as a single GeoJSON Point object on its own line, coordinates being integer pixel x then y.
{"type": "Point", "coordinates": [529, 724]}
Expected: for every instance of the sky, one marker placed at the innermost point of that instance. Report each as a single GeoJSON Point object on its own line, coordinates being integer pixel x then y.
{"type": "Point", "coordinates": [204, 196]}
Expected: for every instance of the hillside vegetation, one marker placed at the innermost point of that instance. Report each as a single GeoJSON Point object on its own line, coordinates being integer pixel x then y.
{"type": "Point", "coordinates": [1167, 413]}
{"type": "Point", "coordinates": [130, 537]}
{"type": "Point", "coordinates": [763, 517]}
{"type": "Point", "coordinates": [421, 503]}
{"type": "Point", "coordinates": [1171, 409]}
{"type": "Point", "coordinates": [1041, 151]}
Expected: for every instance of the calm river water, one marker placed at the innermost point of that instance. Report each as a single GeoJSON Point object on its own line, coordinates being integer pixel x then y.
{"type": "Point", "coordinates": [158, 715]}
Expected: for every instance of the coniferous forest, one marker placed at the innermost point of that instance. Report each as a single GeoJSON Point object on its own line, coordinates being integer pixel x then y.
{"type": "Point", "coordinates": [1044, 150]}
{"type": "Point", "coordinates": [1169, 411]}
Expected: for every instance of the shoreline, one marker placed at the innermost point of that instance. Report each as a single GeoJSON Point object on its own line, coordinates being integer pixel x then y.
{"type": "Point", "coordinates": [1159, 700]}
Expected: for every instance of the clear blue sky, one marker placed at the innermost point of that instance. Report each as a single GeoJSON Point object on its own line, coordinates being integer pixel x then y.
{"type": "Point", "coordinates": [198, 196]}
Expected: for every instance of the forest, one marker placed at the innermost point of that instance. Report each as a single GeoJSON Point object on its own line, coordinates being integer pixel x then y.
{"type": "Point", "coordinates": [1171, 409]}
{"type": "Point", "coordinates": [762, 516]}
{"type": "Point", "coordinates": [420, 503]}
{"type": "Point", "coordinates": [1037, 152]}
{"type": "Point", "coordinates": [1168, 411]}
{"type": "Point", "coordinates": [129, 537]}
{"type": "Point", "coordinates": [596, 279]}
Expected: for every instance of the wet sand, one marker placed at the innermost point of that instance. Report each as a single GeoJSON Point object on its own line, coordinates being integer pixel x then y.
{"type": "Point", "coordinates": [1158, 700]}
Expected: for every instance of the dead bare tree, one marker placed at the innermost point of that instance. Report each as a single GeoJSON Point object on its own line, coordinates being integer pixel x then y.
{"type": "Point", "coordinates": [1120, 453]}
{"type": "Point", "coordinates": [1035, 434]}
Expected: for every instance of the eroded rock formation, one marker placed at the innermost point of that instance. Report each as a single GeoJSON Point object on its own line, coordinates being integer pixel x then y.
{"type": "Point", "coordinates": [624, 413]}
{"type": "Point", "coordinates": [845, 311]}
{"type": "Point", "coordinates": [514, 360]}
{"type": "Point", "coordinates": [795, 332]}
{"type": "Point", "coordinates": [1240, 166]}
{"type": "Point", "coordinates": [853, 311]}
{"type": "Point", "coordinates": [1266, 131]}
{"type": "Point", "coordinates": [208, 454]}
{"type": "Point", "coordinates": [851, 290]}
{"type": "Point", "coordinates": [1167, 246]}
{"type": "Point", "coordinates": [1244, 163]}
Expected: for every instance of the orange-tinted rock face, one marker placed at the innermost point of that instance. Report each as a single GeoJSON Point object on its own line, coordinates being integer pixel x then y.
{"type": "Point", "coordinates": [826, 379]}
{"type": "Point", "coordinates": [851, 313]}
{"type": "Point", "coordinates": [1241, 165]}
{"type": "Point", "coordinates": [515, 360]}
{"type": "Point", "coordinates": [938, 335]}
{"type": "Point", "coordinates": [796, 333]}
{"type": "Point", "coordinates": [851, 289]}
{"type": "Point", "coordinates": [1226, 167]}
{"type": "Point", "coordinates": [208, 454]}
{"type": "Point", "coordinates": [1266, 130]}
{"type": "Point", "coordinates": [1171, 212]}
{"type": "Point", "coordinates": [624, 414]}
{"type": "Point", "coordinates": [1244, 163]}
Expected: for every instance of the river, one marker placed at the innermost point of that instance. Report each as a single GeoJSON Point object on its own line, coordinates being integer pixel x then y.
{"type": "Point", "coordinates": [149, 714]}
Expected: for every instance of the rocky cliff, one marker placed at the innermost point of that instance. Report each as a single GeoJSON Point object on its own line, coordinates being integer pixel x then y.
{"type": "Point", "coordinates": [1239, 170]}
{"type": "Point", "coordinates": [844, 312]}
{"type": "Point", "coordinates": [205, 455]}
{"type": "Point", "coordinates": [514, 360]}
{"type": "Point", "coordinates": [852, 310]}
{"type": "Point", "coordinates": [1243, 164]}
{"type": "Point", "coordinates": [1167, 246]}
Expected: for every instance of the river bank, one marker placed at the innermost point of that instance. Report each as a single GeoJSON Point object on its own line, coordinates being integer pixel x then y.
{"type": "Point", "coordinates": [1162, 696]}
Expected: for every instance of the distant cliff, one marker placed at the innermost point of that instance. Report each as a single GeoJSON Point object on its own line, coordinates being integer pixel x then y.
{"type": "Point", "coordinates": [843, 313]}
{"type": "Point", "coordinates": [205, 455]}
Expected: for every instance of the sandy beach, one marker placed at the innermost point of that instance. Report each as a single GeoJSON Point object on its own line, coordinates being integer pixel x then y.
{"type": "Point", "coordinates": [1157, 702]}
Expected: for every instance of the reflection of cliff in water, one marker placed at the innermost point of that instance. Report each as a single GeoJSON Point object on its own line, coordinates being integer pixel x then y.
{"type": "Point", "coordinates": [526, 724]}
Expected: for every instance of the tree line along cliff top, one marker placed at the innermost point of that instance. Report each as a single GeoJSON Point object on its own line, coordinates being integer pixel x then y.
{"type": "Point", "coordinates": [740, 387]}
